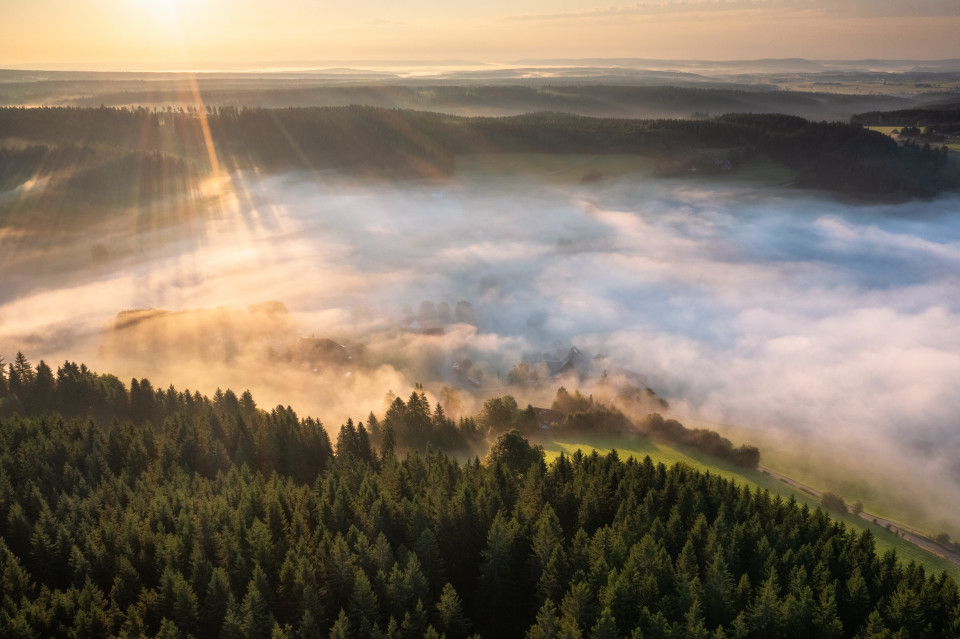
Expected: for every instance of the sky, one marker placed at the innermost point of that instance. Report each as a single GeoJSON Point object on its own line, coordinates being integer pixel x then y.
{"type": "Point", "coordinates": [178, 34]}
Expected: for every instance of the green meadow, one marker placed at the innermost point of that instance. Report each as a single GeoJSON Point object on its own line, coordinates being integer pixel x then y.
{"type": "Point", "coordinates": [573, 167]}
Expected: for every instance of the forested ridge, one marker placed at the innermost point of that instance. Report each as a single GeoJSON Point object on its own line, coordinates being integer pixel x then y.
{"type": "Point", "coordinates": [948, 113]}
{"type": "Point", "coordinates": [143, 512]}
{"type": "Point", "coordinates": [140, 154]}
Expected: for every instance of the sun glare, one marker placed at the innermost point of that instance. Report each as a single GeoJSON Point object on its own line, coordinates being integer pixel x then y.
{"type": "Point", "coordinates": [159, 5]}
{"type": "Point", "coordinates": [158, 12]}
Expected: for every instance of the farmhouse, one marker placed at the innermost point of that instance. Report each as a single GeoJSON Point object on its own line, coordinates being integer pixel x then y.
{"type": "Point", "coordinates": [547, 417]}
{"type": "Point", "coordinates": [573, 361]}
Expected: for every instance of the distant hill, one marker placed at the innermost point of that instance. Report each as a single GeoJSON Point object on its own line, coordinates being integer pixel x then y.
{"type": "Point", "coordinates": [932, 115]}
{"type": "Point", "coordinates": [124, 156]}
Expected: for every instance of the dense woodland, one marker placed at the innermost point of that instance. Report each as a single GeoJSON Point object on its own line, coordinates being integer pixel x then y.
{"type": "Point", "coordinates": [141, 512]}
{"type": "Point", "coordinates": [948, 113]}
{"type": "Point", "coordinates": [935, 125]}
{"type": "Point", "coordinates": [103, 156]}
{"type": "Point", "coordinates": [583, 415]}
{"type": "Point", "coordinates": [610, 94]}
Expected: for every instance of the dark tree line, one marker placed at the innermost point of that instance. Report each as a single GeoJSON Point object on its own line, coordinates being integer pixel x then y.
{"type": "Point", "coordinates": [75, 390]}
{"type": "Point", "coordinates": [131, 513]}
{"type": "Point", "coordinates": [703, 439]}
{"type": "Point", "coordinates": [412, 424]}
{"type": "Point", "coordinates": [574, 414]}
{"type": "Point", "coordinates": [586, 96]}
{"type": "Point", "coordinates": [158, 152]}
{"type": "Point", "coordinates": [945, 114]}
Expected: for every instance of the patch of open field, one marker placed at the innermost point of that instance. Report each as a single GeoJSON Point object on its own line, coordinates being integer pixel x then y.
{"type": "Point", "coordinates": [844, 471]}
{"type": "Point", "coordinates": [871, 86]}
{"type": "Point", "coordinates": [640, 447]}
{"type": "Point", "coordinates": [573, 168]}
{"type": "Point", "coordinates": [886, 130]}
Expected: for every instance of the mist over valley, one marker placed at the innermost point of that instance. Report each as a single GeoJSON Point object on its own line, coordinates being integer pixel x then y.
{"type": "Point", "coordinates": [788, 319]}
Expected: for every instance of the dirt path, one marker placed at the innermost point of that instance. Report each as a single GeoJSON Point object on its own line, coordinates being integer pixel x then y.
{"type": "Point", "coordinates": [912, 536]}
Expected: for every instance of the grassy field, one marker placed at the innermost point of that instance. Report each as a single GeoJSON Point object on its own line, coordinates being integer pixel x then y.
{"type": "Point", "coordinates": [640, 447]}
{"type": "Point", "coordinates": [888, 130]}
{"type": "Point", "coordinates": [871, 86]}
{"type": "Point", "coordinates": [568, 167]}
{"type": "Point", "coordinates": [845, 470]}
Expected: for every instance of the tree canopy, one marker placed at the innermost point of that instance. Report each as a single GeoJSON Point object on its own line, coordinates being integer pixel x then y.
{"type": "Point", "coordinates": [143, 512]}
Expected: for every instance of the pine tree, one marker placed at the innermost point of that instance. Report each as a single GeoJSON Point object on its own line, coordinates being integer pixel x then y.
{"type": "Point", "coordinates": [364, 447]}
{"type": "Point", "coordinates": [718, 591]}
{"type": "Point", "coordinates": [693, 623]}
{"type": "Point", "coordinates": [388, 441]}
{"type": "Point", "coordinates": [450, 619]}
{"type": "Point", "coordinates": [4, 390]}
{"type": "Point", "coordinates": [40, 395]}
{"type": "Point", "coordinates": [216, 603]}
{"type": "Point", "coordinates": [856, 605]}
{"type": "Point", "coordinates": [22, 371]}
{"type": "Point", "coordinates": [605, 628]}
{"type": "Point", "coordinates": [826, 622]}
{"type": "Point", "coordinates": [547, 625]}
{"type": "Point", "coordinates": [499, 578]}
{"type": "Point", "coordinates": [341, 627]}
{"type": "Point", "coordinates": [179, 601]}
{"type": "Point", "coordinates": [578, 606]}
{"type": "Point", "coordinates": [763, 615]}
{"type": "Point", "coordinates": [255, 612]}
{"type": "Point", "coordinates": [415, 622]}
{"type": "Point", "coordinates": [308, 629]}
{"type": "Point", "coordinates": [363, 609]}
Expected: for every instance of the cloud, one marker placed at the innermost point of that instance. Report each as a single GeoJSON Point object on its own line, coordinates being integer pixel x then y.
{"type": "Point", "coordinates": [708, 9]}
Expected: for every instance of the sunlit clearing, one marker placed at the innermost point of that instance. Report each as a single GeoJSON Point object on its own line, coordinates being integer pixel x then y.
{"type": "Point", "coordinates": [215, 186]}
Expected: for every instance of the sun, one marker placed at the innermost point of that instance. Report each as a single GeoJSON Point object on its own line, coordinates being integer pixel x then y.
{"type": "Point", "coordinates": [163, 11]}
{"type": "Point", "coordinates": [160, 5]}
{"type": "Point", "coordinates": [163, 29]}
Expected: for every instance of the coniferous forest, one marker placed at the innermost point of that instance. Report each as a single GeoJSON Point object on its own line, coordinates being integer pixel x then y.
{"type": "Point", "coordinates": [137, 512]}
{"type": "Point", "coordinates": [123, 156]}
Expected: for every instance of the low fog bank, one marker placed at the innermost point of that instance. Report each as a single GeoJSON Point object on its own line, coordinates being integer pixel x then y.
{"type": "Point", "coordinates": [824, 333]}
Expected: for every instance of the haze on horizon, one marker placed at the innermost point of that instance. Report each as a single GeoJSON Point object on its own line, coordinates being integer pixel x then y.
{"type": "Point", "coordinates": [176, 34]}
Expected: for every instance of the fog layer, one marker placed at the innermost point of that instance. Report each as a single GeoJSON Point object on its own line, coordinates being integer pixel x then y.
{"type": "Point", "coordinates": [786, 320]}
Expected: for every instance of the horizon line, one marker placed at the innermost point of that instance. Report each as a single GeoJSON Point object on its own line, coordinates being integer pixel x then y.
{"type": "Point", "coordinates": [372, 64]}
